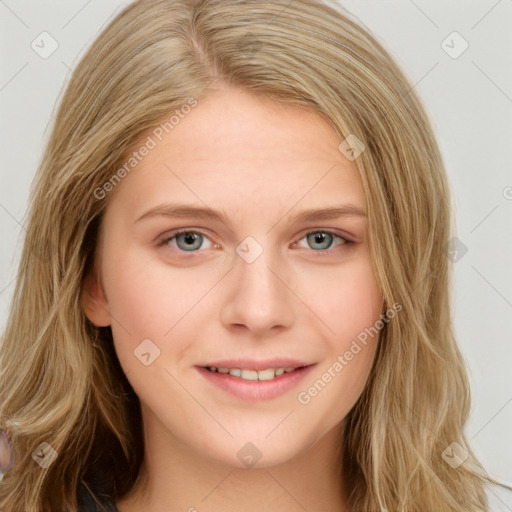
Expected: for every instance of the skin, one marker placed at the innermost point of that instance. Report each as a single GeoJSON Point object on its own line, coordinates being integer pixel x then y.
{"type": "Point", "coordinates": [261, 163]}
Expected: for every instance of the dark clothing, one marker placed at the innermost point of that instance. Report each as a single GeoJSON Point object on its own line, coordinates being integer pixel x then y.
{"type": "Point", "coordinates": [87, 503]}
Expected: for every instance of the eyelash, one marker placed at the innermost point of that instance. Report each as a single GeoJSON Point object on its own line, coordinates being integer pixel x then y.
{"type": "Point", "coordinates": [320, 252]}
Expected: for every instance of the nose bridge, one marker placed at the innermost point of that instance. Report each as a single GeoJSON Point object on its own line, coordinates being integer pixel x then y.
{"type": "Point", "coordinates": [255, 275]}
{"type": "Point", "coordinates": [257, 298]}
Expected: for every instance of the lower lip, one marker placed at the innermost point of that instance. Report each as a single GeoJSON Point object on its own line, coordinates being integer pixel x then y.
{"type": "Point", "coordinates": [256, 390]}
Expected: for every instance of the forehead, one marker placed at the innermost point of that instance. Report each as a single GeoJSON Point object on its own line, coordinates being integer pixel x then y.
{"type": "Point", "coordinates": [246, 154]}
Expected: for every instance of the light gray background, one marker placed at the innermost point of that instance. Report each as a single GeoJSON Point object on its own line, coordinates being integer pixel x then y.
{"type": "Point", "coordinates": [469, 99]}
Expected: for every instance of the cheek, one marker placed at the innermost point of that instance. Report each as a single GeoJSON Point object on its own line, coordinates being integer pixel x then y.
{"type": "Point", "coordinates": [148, 297]}
{"type": "Point", "coordinates": [150, 300]}
{"type": "Point", "coordinates": [345, 299]}
{"type": "Point", "coordinates": [348, 300]}
{"type": "Point", "coordinates": [352, 309]}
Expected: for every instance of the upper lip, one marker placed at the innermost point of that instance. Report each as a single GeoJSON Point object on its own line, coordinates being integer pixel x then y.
{"type": "Point", "coordinates": [251, 364]}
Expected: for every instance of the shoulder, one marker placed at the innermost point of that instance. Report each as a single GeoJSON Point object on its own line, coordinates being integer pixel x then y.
{"type": "Point", "coordinates": [499, 497]}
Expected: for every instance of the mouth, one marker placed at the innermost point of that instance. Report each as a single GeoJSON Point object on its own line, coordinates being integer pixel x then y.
{"type": "Point", "coordinates": [254, 375]}
{"type": "Point", "coordinates": [255, 381]}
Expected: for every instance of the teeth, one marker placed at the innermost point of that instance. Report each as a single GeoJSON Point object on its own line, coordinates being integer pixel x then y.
{"type": "Point", "coordinates": [249, 375]}
{"type": "Point", "coordinates": [253, 375]}
{"type": "Point", "coordinates": [268, 374]}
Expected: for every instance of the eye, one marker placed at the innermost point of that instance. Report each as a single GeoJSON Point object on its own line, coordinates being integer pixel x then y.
{"type": "Point", "coordinates": [189, 241]}
{"type": "Point", "coordinates": [321, 240]}
{"type": "Point", "coordinates": [193, 241]}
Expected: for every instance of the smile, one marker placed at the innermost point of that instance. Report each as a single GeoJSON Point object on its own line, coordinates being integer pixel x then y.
{"type": "Point", "coordinates": [268, 374]}
{"type": "Point", "coordinates": [253, 385]}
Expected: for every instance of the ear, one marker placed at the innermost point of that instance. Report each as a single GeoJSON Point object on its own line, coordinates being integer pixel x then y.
{"type": "Point", "coordinates": [94, 302]}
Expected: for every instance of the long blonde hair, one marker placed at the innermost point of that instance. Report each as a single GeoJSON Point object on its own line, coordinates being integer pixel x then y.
{"type": "Point", "coordinates": [60, 380]}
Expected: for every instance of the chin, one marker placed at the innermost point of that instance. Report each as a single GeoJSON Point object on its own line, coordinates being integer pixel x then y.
{"type": "Point", "coordinates": [260, 453]}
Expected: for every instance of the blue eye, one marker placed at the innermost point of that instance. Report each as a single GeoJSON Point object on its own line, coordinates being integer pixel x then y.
{"type": "Point", "coordinates": [322, 240]}
{"type": "Point", "coordinates": [193, 241]}
{"type": "Point", "coordinates": [189, 241]}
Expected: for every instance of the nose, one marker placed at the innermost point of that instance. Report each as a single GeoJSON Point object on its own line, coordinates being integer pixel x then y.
{"type": "Point", "coordinates": [258, 298]}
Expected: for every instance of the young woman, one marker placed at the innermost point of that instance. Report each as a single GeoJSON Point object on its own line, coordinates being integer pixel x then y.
{"type": "Point", "coordinates": [234, 286]}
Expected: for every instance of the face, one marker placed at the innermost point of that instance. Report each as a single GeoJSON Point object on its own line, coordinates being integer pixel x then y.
{"type": "Point", "coordinates": [239, 243]}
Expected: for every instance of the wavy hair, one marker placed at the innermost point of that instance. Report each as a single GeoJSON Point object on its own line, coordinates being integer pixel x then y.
{"type": "Point", "coordinates": [60, 380]}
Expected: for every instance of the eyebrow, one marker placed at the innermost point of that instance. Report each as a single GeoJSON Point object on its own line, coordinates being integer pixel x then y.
{"type": "Point", "coordinates": [202, 212]}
